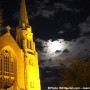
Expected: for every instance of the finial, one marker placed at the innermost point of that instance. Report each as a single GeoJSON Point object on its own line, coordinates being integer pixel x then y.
{"type": "Point", "coordinates": [8, 28]}
{"type": "Point", "coordinates": [23, 25]}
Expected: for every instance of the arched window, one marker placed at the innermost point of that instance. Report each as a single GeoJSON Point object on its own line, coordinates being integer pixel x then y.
{"type": "Point", "coordinates": [6, 68]}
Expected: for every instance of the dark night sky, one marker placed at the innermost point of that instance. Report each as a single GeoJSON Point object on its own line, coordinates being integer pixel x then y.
{"type": "Point", "coordinates": [61, 28]}
{"type": "Point", "coordinates": [48, 17]}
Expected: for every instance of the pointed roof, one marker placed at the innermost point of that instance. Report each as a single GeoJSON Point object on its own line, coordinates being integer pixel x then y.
{"type": "Point", "coordinates": [7, 40]}
{"type": "Point", "coordinates": [23, 13]}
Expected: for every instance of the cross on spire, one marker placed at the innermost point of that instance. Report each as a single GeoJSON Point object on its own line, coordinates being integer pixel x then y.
{"type": "Point", "coordinates": [8, 28]}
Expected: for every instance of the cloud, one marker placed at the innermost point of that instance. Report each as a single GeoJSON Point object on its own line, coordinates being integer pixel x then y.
{"type": "Point", "coordinates": [66, 51]}
{"type": "Point", "coordinates": [52, 58]}
{"type": "Point", "coordinates": [62, 6]}
{"type": "Point", "coordinates": [46, 8]}
{"type": "Point", "coordinates": [75, 49]}
{"type": "Point", "coordinates": [65, 27]}
{"type": "Point", "coordinates": [47, 13]}
{"type": "Point", "coordinates": [79, 48]}
{"type": "Point", "coordinates": [48, 45]}
{"type": "Point", "coordinates": [85, 26]}
{"type": "Point", "coordinates": [68, 32]}
{"type": "Point", "coordinates": [50, 10]}
{"type": "Point", "coordinates": [61, 32]}
{"type": "Point", "coordinates": [57, 51]}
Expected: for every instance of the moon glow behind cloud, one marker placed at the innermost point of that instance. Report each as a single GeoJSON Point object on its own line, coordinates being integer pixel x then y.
{"type": "Point", "coordinates": [53, 46]}
{"type": "Point", "coordinates": [57, 45]}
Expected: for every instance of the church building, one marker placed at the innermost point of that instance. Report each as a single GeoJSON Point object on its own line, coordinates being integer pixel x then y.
{"type": "Point", "coordinates": [19, 69]}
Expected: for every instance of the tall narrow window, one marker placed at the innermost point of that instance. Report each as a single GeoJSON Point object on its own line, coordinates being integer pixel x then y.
{"type": "Point", "coordinates": [28, 44]}
{"type": "Point", "coordinates": [7, 73]}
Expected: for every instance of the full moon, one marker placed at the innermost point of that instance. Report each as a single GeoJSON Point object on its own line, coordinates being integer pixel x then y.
{"type": "Point", "coordinates": [53, 46]}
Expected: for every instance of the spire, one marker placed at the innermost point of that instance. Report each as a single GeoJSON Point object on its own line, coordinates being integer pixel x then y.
{"type": "Point", "coordinates": [23, 14]}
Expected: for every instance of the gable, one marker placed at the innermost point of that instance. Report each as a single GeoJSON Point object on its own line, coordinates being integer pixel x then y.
{"type": "Point", "coordinates": [7, 40]}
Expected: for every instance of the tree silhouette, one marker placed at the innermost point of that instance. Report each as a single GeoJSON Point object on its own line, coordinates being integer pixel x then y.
{"type": "Point", "coordinates": [77, 75]}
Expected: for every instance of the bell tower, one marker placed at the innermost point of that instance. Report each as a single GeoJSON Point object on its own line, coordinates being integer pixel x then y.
{"type": "Point", "coordinates": [24, 38]}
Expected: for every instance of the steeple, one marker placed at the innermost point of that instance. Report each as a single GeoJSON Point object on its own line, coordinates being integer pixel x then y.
{"type": "Point", "coordinates": [23, 14]}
